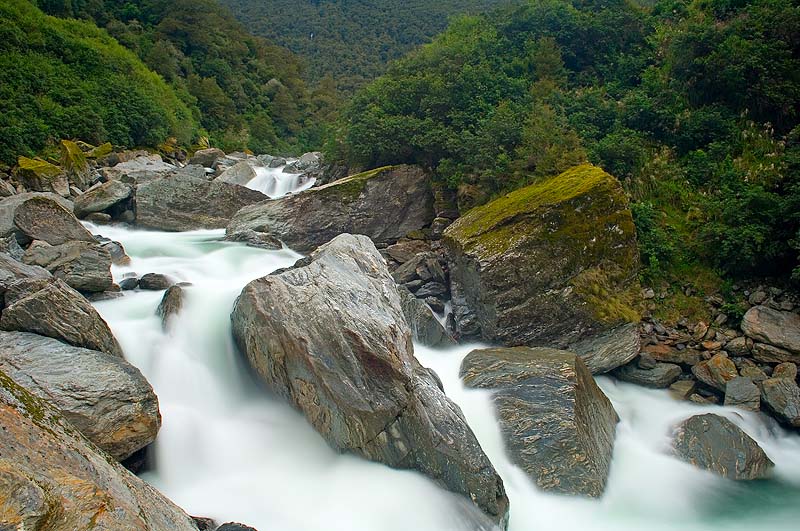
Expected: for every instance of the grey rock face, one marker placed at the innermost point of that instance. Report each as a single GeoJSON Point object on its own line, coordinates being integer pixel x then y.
{"type": "Point", "coordinates": [659, 377]}
{"type": "Point", "coordinates": [255, 239]}
{"type": "Point", "coordinates": [171, 304]}
{"type": "Point", "coordinates": [40, 217]}
{"type": "Point", "coordinates": [610, 350]}
{"type": "Point", "coordinates": [12, 271]}
{"type": "Point", "coordinates": [240, 173]}
{"type": "Point", "coordinates": [102, 197]}
{"type": "Point", "coordinates": [140, 169]}
{"type": "Point", "coordinates": [329, 336]}
{"type": "Point", "coordinates": [781, 396]}
{"type": "Point", "coordinates": [183, 202]}
{"type": "Point", "coordinates": [425, 327]}
{"type": "Point", "coordinates": [82, 265]}
{"type": "Point", "coordinates": [743, 393]}
{"type": "Point", "coordinates": [206, 157]}
{"type": "Point", "coordinates": [308, 162]}
{"type": "Point", "coordinates": [155, 282]}
{"type": "Point", "coordinates": [558, 425]}
{"type": "Point", "coordinates": [384, 204]}
{"type": "Point", "coordinates": [716, 444]}
{"type": "Point", "coordinates": [105, 397]}
{"type": "Point", "coordinates": [53, 478]}
{"type": "Point", "coordinates": [777, 328]}
{"type": "Point", "coordinates": [51, 308]}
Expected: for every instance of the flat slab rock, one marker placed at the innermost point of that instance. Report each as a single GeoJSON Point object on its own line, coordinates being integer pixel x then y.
{"type": "Point", "coordinates": [714, 443]}
{"type": "Point", "coordinates": [53, 478]}
{"type": "Point", "coordinates": [104, 396]}
{"type": "Point", "coordinates": [329, 336]}
{"type": "Point", "coordinates": [557, 424]}
{"type": "Point", "coordinates": [780, 329]}
{"type": "Point", "coordinates": [610, 350]}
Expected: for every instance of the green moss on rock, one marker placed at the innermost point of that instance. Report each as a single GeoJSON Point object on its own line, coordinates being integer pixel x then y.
{"type": "Point", "coordinates": [37, 168]}
{"type": "Point", "coordinates": [100, 151]}
{"type": "Point", "coordinates": [349, 188]}
{"type": "Point", "coordinates": [73, 160]}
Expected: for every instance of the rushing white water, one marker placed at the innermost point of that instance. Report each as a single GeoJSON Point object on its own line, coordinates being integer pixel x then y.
{"type": "Point", "coordinates": [273, 182]}
{"type": "Point", "coordinates": [229, 450]}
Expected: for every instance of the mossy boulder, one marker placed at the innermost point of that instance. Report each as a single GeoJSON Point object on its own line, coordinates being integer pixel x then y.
{"type": "Point", "coordinates": [549, 264]}
{"type": "Point", "coordinates": [74, 162]}
{"type": "Point", "coordinates": [100, 151]}
{"type": "Point", "coordinates": [384, 204]}
{"type": "Point", "coordinates": [38, 175]}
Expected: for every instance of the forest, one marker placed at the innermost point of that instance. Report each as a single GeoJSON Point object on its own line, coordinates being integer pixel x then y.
{"type": "Point", "coordinates": [692, 104]}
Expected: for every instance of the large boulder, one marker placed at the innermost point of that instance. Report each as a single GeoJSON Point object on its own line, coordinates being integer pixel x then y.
{"type": "Point", "coordinates": [49, 307]}
{"type": "Point", "coordinates": [53, 478]}
{"type": "Point", "coordinates": [308, 162]}
{"type": "Point", "coordinates": [240, 173]}
{"type": "Point", "coordinates": [558, 425]}
{"type": "Point", "coordinates": [102, 197]}
{"type": "Point", "coordinates": [780, 329]}
{"type": "Point", "coordinates": [140, 169]}
{"type": "Point", "coordinates": [329, 336]}
{"type": "Point", "coordinates": [183, 202]}
{"type": "Point", "coordinates": [40, 216]}
{"type": "Point", "coordinates": [610, 350]}
{"type": "Point", "coordinates": [82, 265]}
{"type": "Point", "coordinates": [206, 157]}
{"type": "Point", "coordinates": [38, 175]}
{"type": "Point", "coordinates": [781, 397]}
{"type": "Point", "coordinates": [12, 271]}
{"type": "Point", "coordinates": [549, 264]}
{"type": "Point", "coordinates": [716, 444]}
{"type": "Point", "coordinates": [384, 204]}
{"type": "Point", "coordinates": [104, 396]}
{"type": "Point", "coordinates": [716, 372]}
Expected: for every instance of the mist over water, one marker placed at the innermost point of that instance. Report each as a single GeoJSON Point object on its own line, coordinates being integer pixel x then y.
{"type": "Point", "coordinates": [273, 182]}
{"type": "Point", "coordinates": [229, 450]}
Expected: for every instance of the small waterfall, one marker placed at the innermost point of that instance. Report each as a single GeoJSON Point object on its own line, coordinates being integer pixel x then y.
{"type": "Point", "coordinates": [274, 183]}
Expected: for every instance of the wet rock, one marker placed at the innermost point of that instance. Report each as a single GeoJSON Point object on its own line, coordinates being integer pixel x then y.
{"type": "Point", "coordinates": [100, 218]}
{"type": "Point", "coordinates": [610, 350]}
{"type": "Point", "coordinates": [716, 444]}
{"type": "Point", "coordinates": [660, 377]}
{"type": "Point", "coordinates": [82, 265]}
{"type": "Point", "coordinates": [557, 424]}
{"type": "Point", "coordinates": [716, 372]}
{"type": "Point", "coordinates": [115, 249]}
{"type": "Point", "coordinates": [171, 304]}
{"type": "Point", "coordinates": [129, 283]}
{"type": "Point", "coordinates": [407, 272]}
{"type": "Point", "coordinates": [384, 204]}
{"type": "Point", "coordinates": [204, 524]}
{"type": "Point", "coordinates": [49, 307]}
{"type": "Point", "coordinates": [105, 397]}
{"type": "Point", "coordinates": [781, 396]}
{"type": "Point", "coordinates": [431, 289]}
{"type": "Point", "coordinates": [255, 239]}
{"type": "Point", "coordinates": [155, 282]}
{"type": "Point", "coordinates": [233, 526]}
{"type": "Point", "coordinates": [551, 263]}
{"type": "Point", "coordinates": [206, 157]}
{"type": "Point", "coordinates": [774, 327]}
{"type": "Point", "coordinates": [682, 389]}
{"type": "Point", "coordinates": [352, 371]}
{"type": "Point", "coordinates": [53, 478]}
{"type": "Point", "coordinates": [425, 327]}
{"type": "Point", "coordinates": [102, 197]}
{"type": "Point", "coordinates": [743, 393]}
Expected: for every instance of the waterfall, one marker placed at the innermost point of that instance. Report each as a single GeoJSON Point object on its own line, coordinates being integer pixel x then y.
{"type": "Point", "coordinates": [229, 450]}
{"type": "Point", "coordinates": [273, 182]}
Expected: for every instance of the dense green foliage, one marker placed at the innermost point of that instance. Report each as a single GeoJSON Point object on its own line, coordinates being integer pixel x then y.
{"type": "Point", "coordinates": [247, 93]}
{"type": "Point", "coordinates": [351, 40]}
{"type": "Point", "coordinates": [693, 104]}
{"type": "Point", "coordinates": [65, 79]}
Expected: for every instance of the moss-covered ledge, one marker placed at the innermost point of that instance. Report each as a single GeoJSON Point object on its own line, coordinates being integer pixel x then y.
{"type": "Point", "coordinates": [550, 263]}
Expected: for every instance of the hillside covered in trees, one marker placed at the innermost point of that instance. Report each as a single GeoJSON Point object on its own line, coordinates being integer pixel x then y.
{"type": "Point", "coordinates": [240, 90]}
{"type": "Point", "coordinates": [694, 105]}
{"type": "Point", "coordinates": [352, 40]}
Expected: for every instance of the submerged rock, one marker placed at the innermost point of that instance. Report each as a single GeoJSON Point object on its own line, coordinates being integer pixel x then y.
{"type": "Point", "coordinates": [171, 304]}
{"type": "Point", "coordinates": [551, 263]}
{"type": "Point", "coordinates": [53, 478]}
{"type": "Point", "coordinates": [384, 204]}
{"type": "Point", "coordinates": [183, 202]}
{"type": "Point", "coordinates": [329, 336]}
{"type": "Point", "coordinates": [558, 425]}
{"type": "Point", "coordinates": [49, 307]}
{"type": "Point", "coordinates": [104, 396]}
{"type": "Point", "coordinates": [716, 444]}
